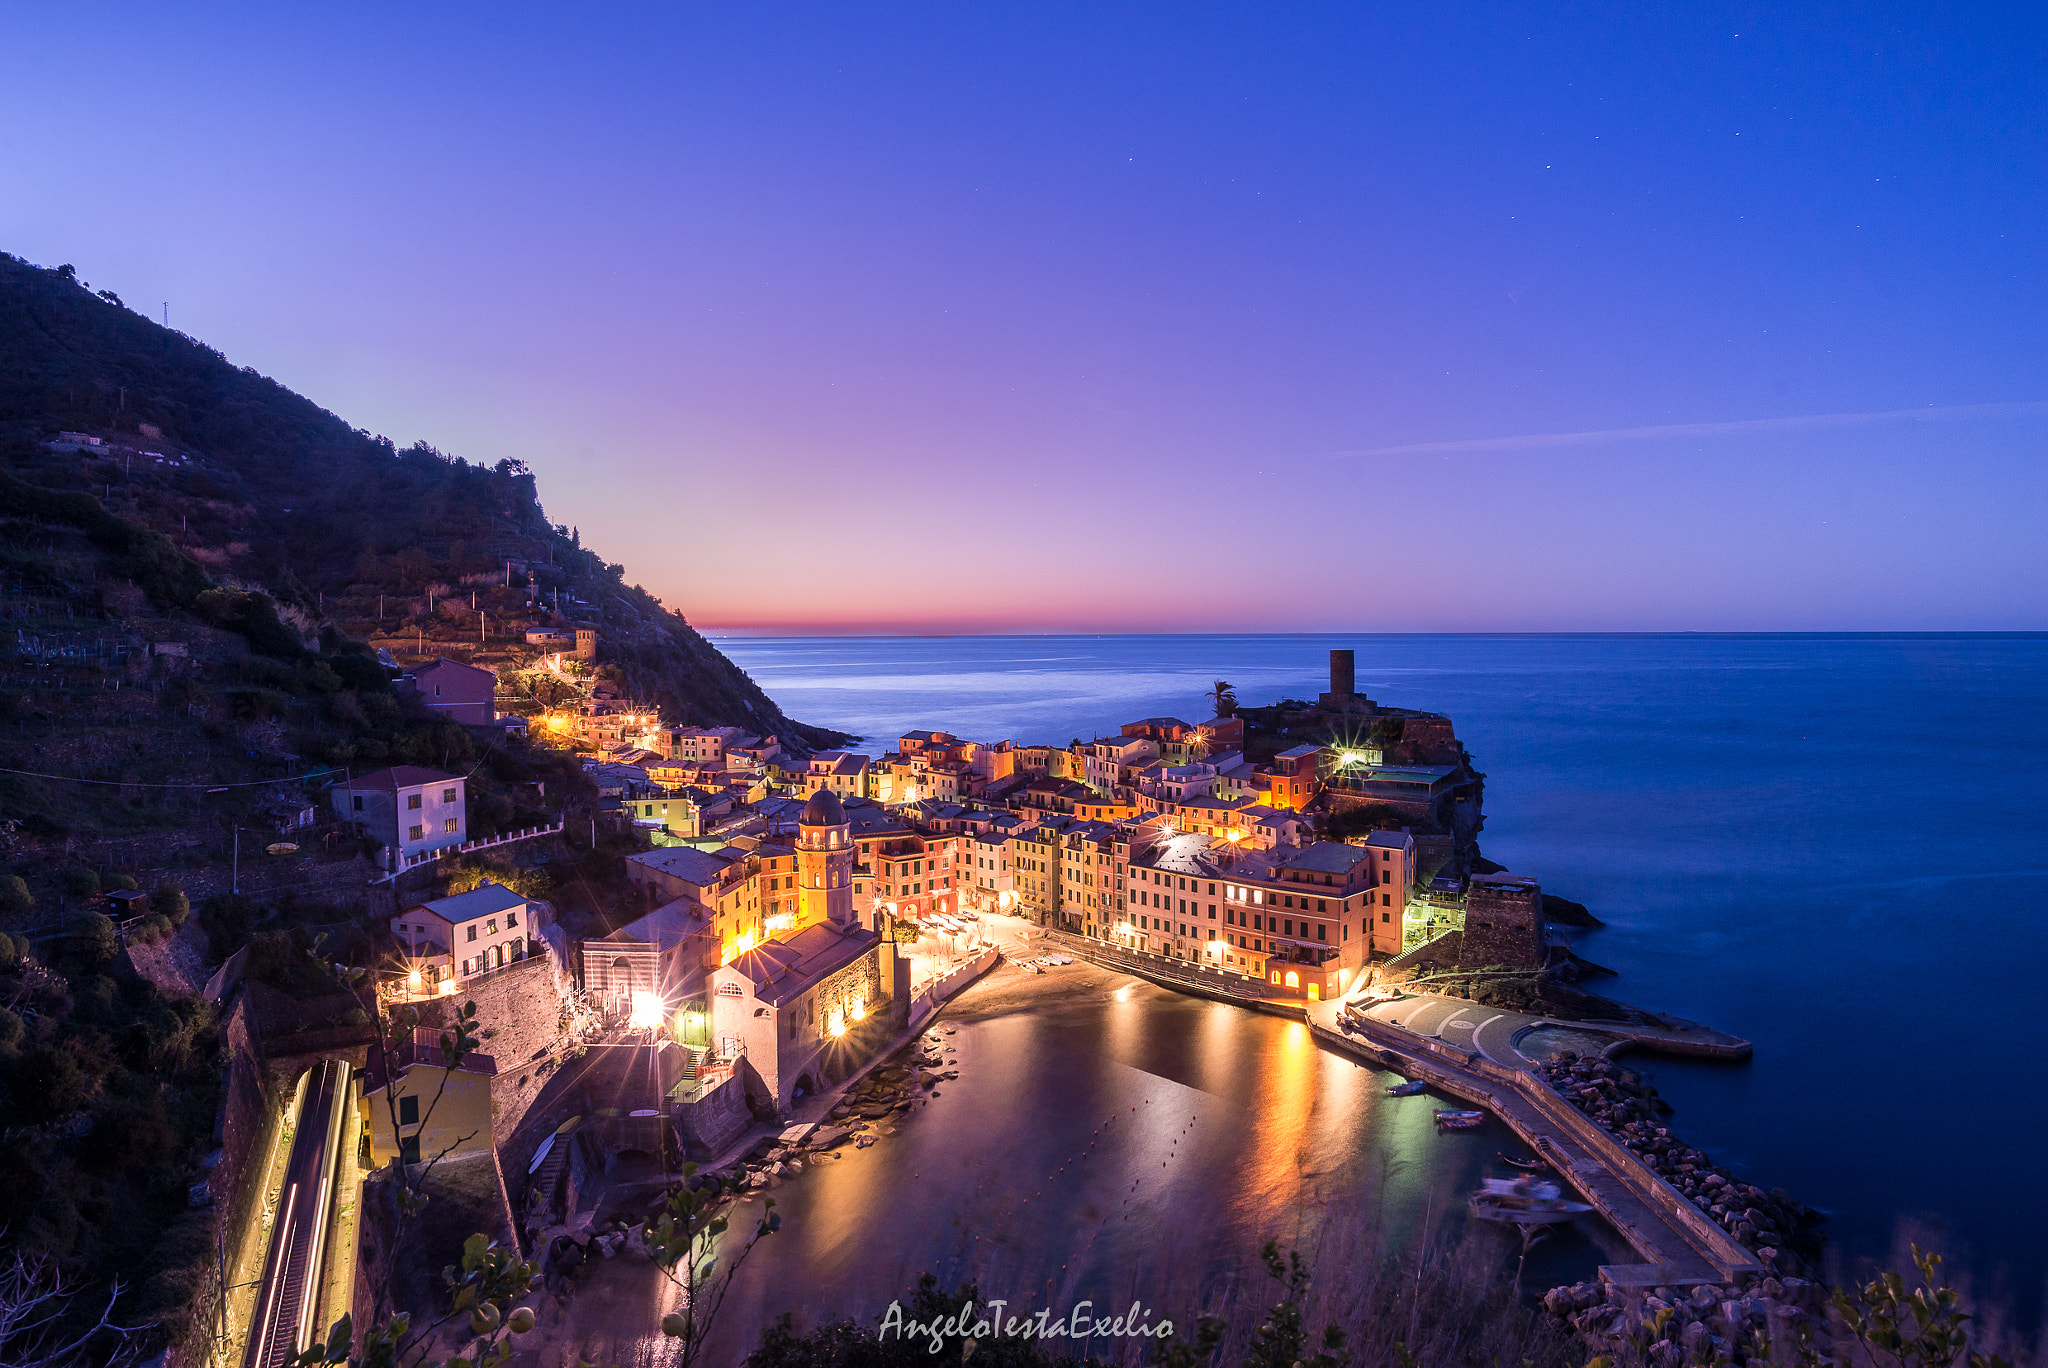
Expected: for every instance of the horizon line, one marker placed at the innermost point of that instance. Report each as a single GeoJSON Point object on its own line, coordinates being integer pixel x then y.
{"type": "Point", "coordinates": [1999, 633]}
{"type": "Point", "coordinates": [1805, 422]}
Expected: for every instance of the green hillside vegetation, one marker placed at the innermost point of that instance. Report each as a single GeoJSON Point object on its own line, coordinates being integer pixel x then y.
{"type": "Point", "coordinates": [190, 655]}
{"type": "Point", "coordinates": [264, 489]}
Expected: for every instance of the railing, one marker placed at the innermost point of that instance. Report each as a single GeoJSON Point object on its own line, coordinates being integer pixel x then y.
{"type": "Point", "coordinates": [1166, 966]}
{"type": "Point", "coordinates": [407, 863]}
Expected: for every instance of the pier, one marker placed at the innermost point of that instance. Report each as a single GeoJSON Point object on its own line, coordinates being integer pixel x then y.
{"type": "Point", "coordinates": [1678, 1245]}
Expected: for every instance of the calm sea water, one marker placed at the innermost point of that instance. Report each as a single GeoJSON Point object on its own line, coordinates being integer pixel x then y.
{"type": "Point", "coordinates": [1836, 846]}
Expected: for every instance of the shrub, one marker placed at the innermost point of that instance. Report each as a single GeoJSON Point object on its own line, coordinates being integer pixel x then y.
{"type": "Point", "coordinates": [15, 899]}
{"type": "Point", "coordinates": [81, 882]}
{"type": "Point", "coordinates": [170, 901]}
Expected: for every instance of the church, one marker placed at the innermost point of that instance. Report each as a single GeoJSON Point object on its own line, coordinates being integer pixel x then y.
{"type": "Point", "coordinates": [790, 1010]}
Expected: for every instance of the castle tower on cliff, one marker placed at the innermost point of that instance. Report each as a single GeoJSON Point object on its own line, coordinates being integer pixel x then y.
{"type": "Point", "coordinates": [824, 863]}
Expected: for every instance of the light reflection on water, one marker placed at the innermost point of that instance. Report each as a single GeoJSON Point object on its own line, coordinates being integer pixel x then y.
{"type": "Point", "coordinates": [1104, 1146]}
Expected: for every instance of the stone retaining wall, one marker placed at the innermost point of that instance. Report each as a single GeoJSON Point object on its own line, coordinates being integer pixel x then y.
{"type": "Point", "coordinates": [935, 994]}
{"type": "Point", "coordinates": [518, 1018]}
{"type": "Point", "coordinates": [713, 1120]}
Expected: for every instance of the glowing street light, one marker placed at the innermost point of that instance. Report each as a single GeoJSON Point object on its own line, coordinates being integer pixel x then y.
{"type": "Point", "coordinates": [647, 1009]}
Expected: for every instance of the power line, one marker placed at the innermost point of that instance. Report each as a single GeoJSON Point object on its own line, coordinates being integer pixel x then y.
{"type": "Point", "coordinates": [138, 783]}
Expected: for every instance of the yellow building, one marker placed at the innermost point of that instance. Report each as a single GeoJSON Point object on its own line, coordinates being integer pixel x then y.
{"type": "Point", "coordinates": [430, 1120]}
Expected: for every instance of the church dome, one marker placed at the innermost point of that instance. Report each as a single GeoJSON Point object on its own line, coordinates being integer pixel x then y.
{"type": "Point", "coordinates": [823, 810]}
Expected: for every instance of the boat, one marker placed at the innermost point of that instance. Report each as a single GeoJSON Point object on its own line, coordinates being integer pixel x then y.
{"type": "Point", "coordinates": [1460, 1120]}
{"type": "Point", "coordinates": [1524, 1201]}
{"type": "Point", "coordinates": [1530, 1165]}
{"type": "Point", "coordinates": [1408, 1089]}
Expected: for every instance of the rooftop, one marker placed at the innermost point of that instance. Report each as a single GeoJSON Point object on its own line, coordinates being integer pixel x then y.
{"type": "Point", "coordinates": [783, 970]}
{"type": "Point", "coordinates": [400, 777]}
{"type": "Point", "coordinates": [1325, 857]}
{"type": "Point", "coordinates": [478, 902]}
{"type": "Point", "coordinates": [687, 863]}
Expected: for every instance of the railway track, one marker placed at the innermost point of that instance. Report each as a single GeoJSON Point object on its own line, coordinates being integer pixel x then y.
{"type": "Point", "coordinates": [289, 1293]}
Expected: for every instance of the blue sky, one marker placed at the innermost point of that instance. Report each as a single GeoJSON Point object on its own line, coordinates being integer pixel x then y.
{"type": "Point", "coordinates": [1081, 316]}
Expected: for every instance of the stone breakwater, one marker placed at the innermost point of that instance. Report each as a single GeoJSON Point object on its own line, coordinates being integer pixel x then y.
{"type": "Point", "coordinates": [1770, 1225]}
{"type": "Point", "coordinates": [1741, 1319]}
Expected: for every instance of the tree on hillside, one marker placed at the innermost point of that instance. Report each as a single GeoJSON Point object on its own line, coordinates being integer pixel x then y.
{"type": "Point", "coordinates": [1224, 696]}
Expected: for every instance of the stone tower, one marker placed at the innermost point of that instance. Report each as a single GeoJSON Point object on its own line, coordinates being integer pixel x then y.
{"type": "Point", "coordinates": [824, 863]}
{"type": "Point", "coordinates": [586, 644]}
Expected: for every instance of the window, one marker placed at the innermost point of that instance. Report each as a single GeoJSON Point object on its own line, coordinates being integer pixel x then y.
{"type": "Point", "coordinates": [1322, 932]}
{"type": "Point", "coordinates": [356, 803]}
{"type": "Point", "coordinates": [511, 920]}
{"type": "Point", "coordinates": [491, 927]}
{"type": "Point", "coordinates": [1386, 900]}
{"type": "Point", "coordinates": [448, 795]}
{"type": "Point", "coordinates": [408, 1111]}
{"type": "Point", "coordinates": [472, 931]}
{"type": "Point", "coordinates": [409, 1150]}
{"type": "Point", "coordinates": [417, 834]}
{"type": "Point", "coordinates": [412, 802]}
{"type": "Point", "coordinates": [1386, 916]}
{"type": "Point", "coordinates": [449, 824]}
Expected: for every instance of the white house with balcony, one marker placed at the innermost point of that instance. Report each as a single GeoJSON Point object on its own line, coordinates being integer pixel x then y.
{"type": "Point", "coordinates": [451, 940]}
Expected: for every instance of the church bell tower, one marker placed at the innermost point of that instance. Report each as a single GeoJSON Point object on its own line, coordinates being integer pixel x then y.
{"type": "Point", "coordinates": [824, 863]}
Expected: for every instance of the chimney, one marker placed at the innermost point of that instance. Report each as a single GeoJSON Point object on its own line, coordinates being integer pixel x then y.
{"type": "Point", "coordinates": [1342, 674]}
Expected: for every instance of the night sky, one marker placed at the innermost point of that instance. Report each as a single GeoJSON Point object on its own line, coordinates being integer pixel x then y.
{"type": "Point", "coordinates": [1151, 318]}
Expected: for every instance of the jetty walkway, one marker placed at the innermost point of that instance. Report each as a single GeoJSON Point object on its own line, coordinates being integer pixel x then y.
{"type": "Point", "coordinates": [1678, 1244]}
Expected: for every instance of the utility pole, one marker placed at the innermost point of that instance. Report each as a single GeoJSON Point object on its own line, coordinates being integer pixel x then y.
{"type": "Point", "coordinates": [236, 879]}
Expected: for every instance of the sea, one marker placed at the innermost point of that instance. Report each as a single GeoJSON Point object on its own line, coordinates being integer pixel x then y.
{"type": "Point", "coordinates": [1833, 845]}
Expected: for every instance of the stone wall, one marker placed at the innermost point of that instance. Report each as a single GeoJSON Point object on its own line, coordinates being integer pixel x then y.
{"type": "Point", "coordinates": [1426, 741]}
{"type": "Point", "coordinates": [716, 1119]}
{"type": "Point", "coordinates": [1503, 923]}
{"type": "Point", "coordinates": [519, 1024]}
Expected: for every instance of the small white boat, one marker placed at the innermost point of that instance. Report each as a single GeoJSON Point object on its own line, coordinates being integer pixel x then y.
{"type": "Point", "coordinates": [1523, 1201]}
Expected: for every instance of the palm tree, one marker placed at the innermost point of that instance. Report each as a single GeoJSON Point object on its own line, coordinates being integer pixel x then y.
{"type": "Point", "coordinates": [1224, 696]}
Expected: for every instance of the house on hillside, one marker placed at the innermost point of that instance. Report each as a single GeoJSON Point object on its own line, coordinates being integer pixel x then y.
{"type": "Point", "coordinates": [410, 810]}
{"type": "Point", "coordinates": [450, 940]}
{"type": "Point", "coordinates": [440, 1112]}
{"type": "Point", "coordinates": [459, 692]}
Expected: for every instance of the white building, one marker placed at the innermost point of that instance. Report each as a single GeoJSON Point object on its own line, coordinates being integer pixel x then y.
{"type": "Point", "coordinates": [450, 940]}
{"type": "Point", "coordinates": [412, 810]}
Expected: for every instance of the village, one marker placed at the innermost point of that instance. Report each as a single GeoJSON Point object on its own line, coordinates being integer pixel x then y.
{"type": "Point", "coordinates": [780, 925]}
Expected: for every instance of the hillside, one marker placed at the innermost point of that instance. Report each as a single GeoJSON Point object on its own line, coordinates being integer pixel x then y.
{"type": "Point", "coordinates": [199, 573]}
{"type": "Point", "coordinates": [265, 490]}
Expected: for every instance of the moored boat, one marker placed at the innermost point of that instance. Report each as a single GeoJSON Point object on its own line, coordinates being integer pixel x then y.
{"type": "Point", "coordinates": [1460, 1120]}
{"type": "Point", "coordinates": [1523, 1201]}
{"type": "Point", "coordinates": [1407, 1089]}
{"type": "Point", "coordinates": [1531, 1165]}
